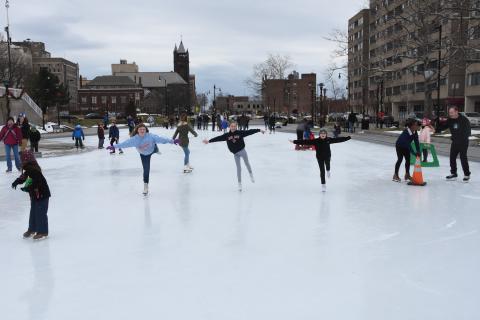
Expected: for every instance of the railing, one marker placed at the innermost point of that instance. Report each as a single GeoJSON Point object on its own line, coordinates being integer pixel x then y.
{"type": "Point", "coordinates": [26, 98]}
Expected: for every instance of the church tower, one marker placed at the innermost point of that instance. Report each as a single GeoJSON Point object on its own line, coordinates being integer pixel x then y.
{"type": "Point", "coordinates": [181, 62]}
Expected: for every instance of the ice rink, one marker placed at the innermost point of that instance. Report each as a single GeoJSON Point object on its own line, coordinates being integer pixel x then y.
{"type": "Point", "coordinates": [196, 248]}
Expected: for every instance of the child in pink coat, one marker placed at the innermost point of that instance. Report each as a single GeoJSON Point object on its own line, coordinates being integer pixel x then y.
{"type": "Point", "coordinates": [425, 137]}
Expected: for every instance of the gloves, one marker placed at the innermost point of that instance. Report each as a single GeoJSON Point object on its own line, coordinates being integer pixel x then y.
{"type": "Point", "coordinates": [16, 183]}
{"type": "Point", "coordinates": [73, 138]}
{"type": "Point", "coordinates": [111, 148]}
{"type": "Point", "coordinates": [176, 141]}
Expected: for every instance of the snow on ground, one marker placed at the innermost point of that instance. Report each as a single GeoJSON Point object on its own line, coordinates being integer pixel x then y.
{"type": "Point", "coordinates": [196, 248]}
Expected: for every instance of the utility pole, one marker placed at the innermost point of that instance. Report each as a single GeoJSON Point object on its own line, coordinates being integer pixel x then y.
{"type": "Point", "coordinates": [9, 75]}
{"type": "Point", "coordinates": [437, 119]}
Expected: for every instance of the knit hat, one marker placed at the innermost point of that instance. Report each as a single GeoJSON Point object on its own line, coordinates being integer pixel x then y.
{"type": "Point", "coordinates": [28, 157]}
{"type": "Point", "coordinates": [323, 130]}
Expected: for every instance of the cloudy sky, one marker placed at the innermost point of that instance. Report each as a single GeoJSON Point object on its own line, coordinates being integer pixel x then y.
{"type": "Point", "coordinates": [225, 37]}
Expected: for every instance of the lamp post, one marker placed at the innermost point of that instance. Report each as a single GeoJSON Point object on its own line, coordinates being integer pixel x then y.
{"type": "Point", "coordinates": [439, 67]}
{"type": "Point", "coordinates": [320, 86]}
{"type": "Point", "coordinates": [9, 75]}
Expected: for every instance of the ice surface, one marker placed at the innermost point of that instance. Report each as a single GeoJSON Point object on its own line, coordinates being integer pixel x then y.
{"type": "Point", "coordinates": [196, 248]}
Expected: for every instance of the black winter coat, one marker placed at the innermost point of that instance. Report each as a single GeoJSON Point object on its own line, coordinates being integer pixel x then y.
{"type": "Point", "coordinates": [235, 140]}
{"type": "Point", "coordinates": [39, 189]}
{"type": "Point", "coordinates": [322, 146]}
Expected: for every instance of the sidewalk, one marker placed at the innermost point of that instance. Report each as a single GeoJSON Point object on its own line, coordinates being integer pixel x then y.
{"type": "Point", "coordinates": [49, 148]}
{"type": "Point", "coordinates": [442, 144]}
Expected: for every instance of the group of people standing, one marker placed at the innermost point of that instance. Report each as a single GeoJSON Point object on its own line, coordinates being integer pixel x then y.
{"type": "Point", "coordinates": [16, 136]}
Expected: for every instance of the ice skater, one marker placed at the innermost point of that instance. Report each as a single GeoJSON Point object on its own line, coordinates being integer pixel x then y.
{"type": "Point", "coordinates": [236, 145]}
{"type": "Point", "coordinates": [182, 131]}
{"type": "Point", "coordinates": [11, 135]}
{"type": "Point", "coordinates": [145, 143]}
{"type": "Point", "coordinates": [100, 135]}
{"type": "Point", "coordinates": [323, 152]}
{"type": "Point", "coordinates": [114, 136]}
{"type": "Point", "coordinates": [37, 187]}
{"type": "Point", "coordinates": [425, 138]}
{"type": "Point", "coordinates": [78, 136]}
{"type": "Point", "coordinates": [35, 137]}
{"type": "Point", "coordinates": [404, 148]}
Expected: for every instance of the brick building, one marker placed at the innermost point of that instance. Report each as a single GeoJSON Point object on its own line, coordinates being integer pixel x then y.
{"type": "Point", "coordinates": [292, 95]}
{"type": "Point", "coordinates": [392, 77]}
{"type": "Point", "coordinates": [109, 93]}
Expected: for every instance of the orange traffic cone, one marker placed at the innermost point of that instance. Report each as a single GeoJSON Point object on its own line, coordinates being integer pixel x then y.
{"type": "Point", "coordinates": [417, 179]}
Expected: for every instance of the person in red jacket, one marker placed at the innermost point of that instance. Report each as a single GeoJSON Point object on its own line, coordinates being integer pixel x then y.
{"type": "Point", "coordinates": [11, 136]}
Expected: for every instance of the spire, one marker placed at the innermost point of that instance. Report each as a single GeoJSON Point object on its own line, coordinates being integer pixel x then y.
{"type": "Point", "coordinates": [175, 50]}
{"type": "Point", "coordinates": [181, 49]}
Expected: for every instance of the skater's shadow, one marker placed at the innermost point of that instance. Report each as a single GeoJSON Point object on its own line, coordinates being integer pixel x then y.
{"type": "Point", "coordinates": [147, 215]}
{"type": "Point", "coordinates": [183, 201]}
{"type": "Point", "coordinates": [39, 296]}
{"type": "Point", "coordinates": [240, 224]}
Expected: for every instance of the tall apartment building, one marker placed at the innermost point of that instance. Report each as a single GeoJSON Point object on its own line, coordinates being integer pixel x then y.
{"type": "Point", "coordinates": [389, 79]}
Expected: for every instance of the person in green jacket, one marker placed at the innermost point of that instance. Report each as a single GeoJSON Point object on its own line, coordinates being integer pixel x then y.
{"type": "Point", "coordinates": [182, 131]}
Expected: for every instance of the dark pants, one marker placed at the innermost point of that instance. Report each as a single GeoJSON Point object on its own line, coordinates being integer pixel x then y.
{"type": "Point", "coordinates": [38, 221]}
{"type": "Point", "coordinates": [213, 126]}
{"type": "Point", "coordinates": [299, 135]}
{"type": "Point", "coordinates": [403, 153]}
{"type": "Point", "coordinates": [425, 154]}
{"type": "Point", "coordinates": [101, 141]}
{"type": "Point", "coordinates": [462, 150]}
{"type": "Point", "coordinates": [78, 142]}
{"type": "Point", "coordinates": [34, 146]}
{"type": "Point", "coordinates": [146, 167]}
{"type": "Point", "coordinates": [323, 163]}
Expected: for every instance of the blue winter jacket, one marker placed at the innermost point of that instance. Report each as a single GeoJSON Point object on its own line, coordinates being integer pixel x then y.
{"type": "Point", "coordinates": [145, 145]}
{"type": "Point", "coordinates": [113, 132]}
{"type": "Point", "coordinates": [78, 132]}
{"type": "Point", "coordinates": [406, 138]}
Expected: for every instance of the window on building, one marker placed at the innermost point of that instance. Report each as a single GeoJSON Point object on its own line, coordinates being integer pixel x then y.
{"type": "Point", "coordinates": [420, 87]}
{"type": "Point", "coordinates": [94, 100]}
{"type": "Point", "coordinates": [84, 99]}
{"type": "Point", "coordinates": [104, 99]}
{"type": "Point", "coordinates": [473, 79]}
{"type": "Point", "coordinates": [418, 108]}
{"type": "Point", "coordinates": [114, 99]}
{"type": "Point", "coordinates": [123, 99]}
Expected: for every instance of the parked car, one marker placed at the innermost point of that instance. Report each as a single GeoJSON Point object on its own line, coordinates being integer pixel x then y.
{"type": "Point", "coordinates": [69, 118]}
{"type": "Point", "coordinates": [473, 117]}
{"type": "Point", "coordinates": [94, 116]}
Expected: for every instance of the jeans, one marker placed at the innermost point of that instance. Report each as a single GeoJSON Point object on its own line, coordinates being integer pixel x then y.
{"type": "Point", "coordinates": [100, 143]}
{"type": "Point", "coordinates": [462, 150]}
{"type": "Point", "coordinates": [323, 164]}
{"type": "Point", "coordinates": [186, 159]}
{"type": "Point", "coordinates": [38, 221]}
{"type": "Point", "coordinates": [78, 143]}
{"type": "Point", "coordinates": [242, 155]}
{"type": "Point", "coordinates": [146, 167]}
{"type": "Point", "coordinates": [351, 126]}
{"type": "Point", "coordinates": [8, 149]}
{"type": "Point", "coordinates": [403, 153]}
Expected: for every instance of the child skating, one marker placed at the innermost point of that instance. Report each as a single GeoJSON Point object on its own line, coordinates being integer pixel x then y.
{"type": "Point", "coordinates": [114, 137]}
{"type": "Point", "coordinates": [145, 143]}
{"type": "Point", "coordinates": [236, 145]}
{"type": "Point", "coordinates": [78, 136]}
{"type": "Point", "coordinates": [37, 187]}
{"type": "Point", "coordinates": [425, 138]}
{"type": "Point", "coordinates": [182, 131]}
{"type": "Point", "coordinates": [404, 148]}
{"type": "Point", "coordinates": [323, 152]}
{"type": "Point", "coordinates": [101, 135]}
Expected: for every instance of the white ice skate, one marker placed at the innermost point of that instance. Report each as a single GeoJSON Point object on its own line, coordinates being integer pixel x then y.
{"type": "Point", "coordinates": [328, 174]}
{"type": "Point", "coordinates": [324, 188]}
{"type": "Point", "coordinates": [252, 178]}
{"type": "Point", "coordinates": [187, 169]}
{"type": "Point", "coordinates": [239, 186]}
{"type": "Point", "coordinates": [145, 189]}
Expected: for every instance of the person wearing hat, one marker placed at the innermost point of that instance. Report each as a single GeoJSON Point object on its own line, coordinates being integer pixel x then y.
{"type": "Point", "coordinates": [11, 136]}
{"type": "Point", "coordinates": [35, 137]}
{"type": "Point", "coordinates": [25, 127]}
{"type": "Point", "coordinates": [78, 136]}
{"type": "Point", "coordinates": [323, 152]}
{"type": "Point", "coordinates": [37, 187]}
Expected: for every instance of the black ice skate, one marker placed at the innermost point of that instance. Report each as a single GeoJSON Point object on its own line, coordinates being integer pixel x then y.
{"type": "Point", "coordinates": [452, 177]}
{"type": "Point", "coordinates": [466, 178]}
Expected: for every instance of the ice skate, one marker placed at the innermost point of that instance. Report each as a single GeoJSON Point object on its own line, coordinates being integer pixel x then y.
{"type": "Point", "coordinates": [328, 174]}
{"type": "Point", "coordinates": [145, 189]}
{"type": "Point", "coordinates": [190, 167]}
{"type": "Point", "coordinates": [466, 178]}
{"type": "Point", "coordinates": [187, 169]}
{"type": "Point", "coordinates": [252, 178]}
{"type": "Point", "coordinates": [324, 188]}
{"type": "Point", "coordinates": [120, 151]}
{"type": "Point", "coordinates": [239, 186]}
{"type": "Point", "coordinates": [8, 171]}
{"type": "Point", "coordinates": [28, 234]}
{"type": "Point", "coordinates": [40, 236]}
{"type": "Point", "coordinates": [396, 178]}
{"type": "Point", "coordinates": [408, 177]}
{"type": "Point", "coordinates": [452, 177]}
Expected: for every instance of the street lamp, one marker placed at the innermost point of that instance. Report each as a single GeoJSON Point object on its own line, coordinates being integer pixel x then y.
{"type": "Point", "coordinates": [9, 75]}
{"type": "Point", "coordinates": [320, 86]}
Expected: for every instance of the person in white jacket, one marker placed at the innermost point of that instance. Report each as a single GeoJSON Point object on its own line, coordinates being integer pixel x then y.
{"type": "Point", "coordinates": [425, 137]}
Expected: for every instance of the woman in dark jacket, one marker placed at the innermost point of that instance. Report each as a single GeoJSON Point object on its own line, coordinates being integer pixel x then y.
{"type": "Point", "coordinates": [35, 137]}
{"type": "Point", "coordinates": [404, 148]}
{"type": "Point", "coordinates": [24, 125]}
{"type": "Point", "coordinates": [37, 187]}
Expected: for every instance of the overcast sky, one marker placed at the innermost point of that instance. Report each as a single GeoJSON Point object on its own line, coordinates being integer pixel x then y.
{"type": "Point", "coordinates": [225, 38]}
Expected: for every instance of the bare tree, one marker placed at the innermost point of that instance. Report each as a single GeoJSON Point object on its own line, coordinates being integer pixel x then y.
{"type": "Point", "coordinates": [21, 65]}
{"type": "Point", "coordinates": [276, 66]}
{"type": "Point", "coordinates": [420, 45]}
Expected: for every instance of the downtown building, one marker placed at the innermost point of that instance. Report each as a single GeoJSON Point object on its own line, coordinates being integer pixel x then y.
{"type": "Point", "coordinates": [385, 72]}
{"type": "Point", "coordinates": [296, 94]}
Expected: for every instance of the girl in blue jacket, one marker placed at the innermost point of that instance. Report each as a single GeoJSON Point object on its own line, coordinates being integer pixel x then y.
{"type": "Point", "coordinates": [78, 136]}
{"type": "Point", "coordinates": [404, 148]}
{"type": "Point", "coordinates": [145, 143]}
